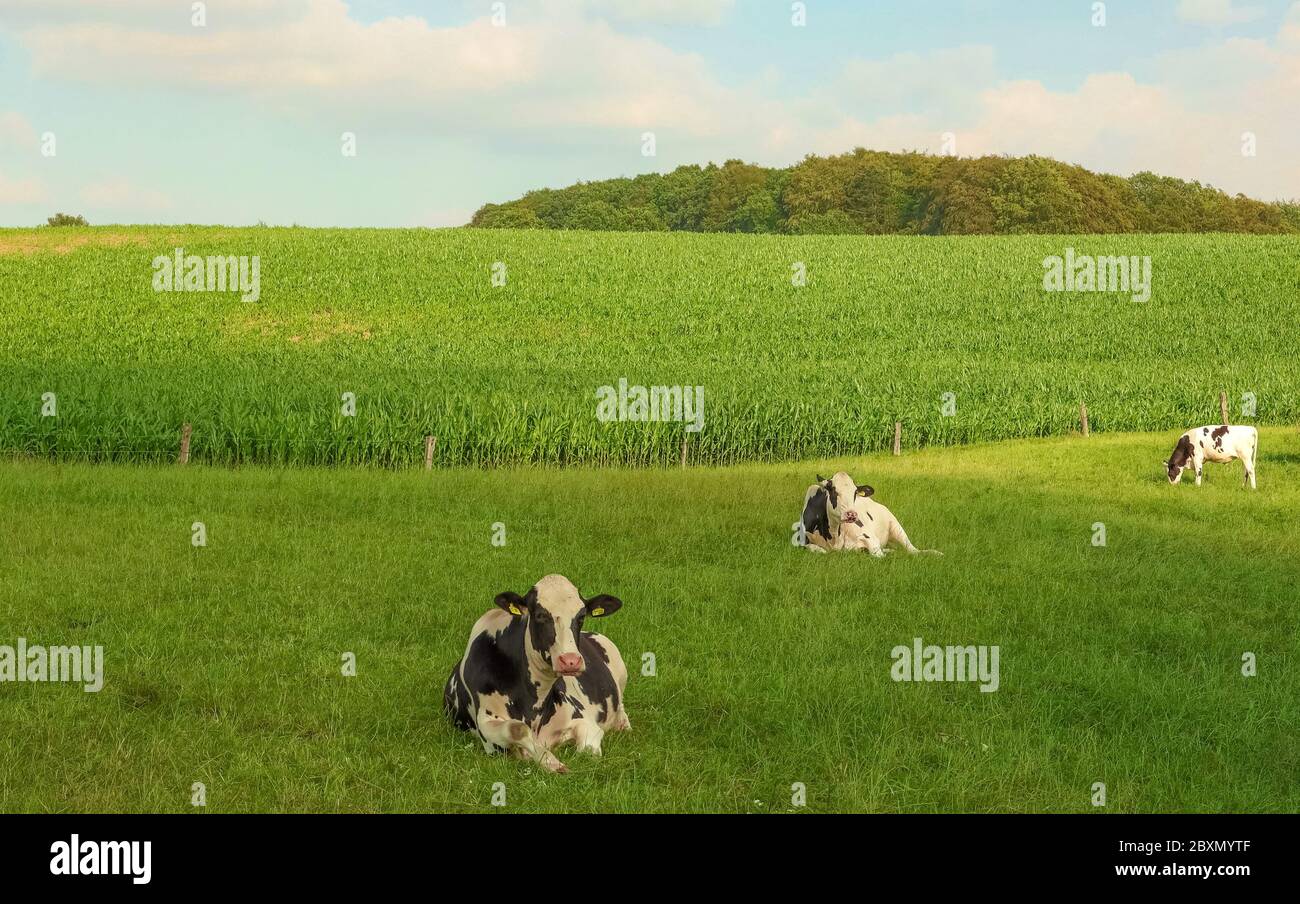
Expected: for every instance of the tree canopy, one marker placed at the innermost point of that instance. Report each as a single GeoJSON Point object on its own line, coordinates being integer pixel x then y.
{"type": "Point", "coordinates": [874, 193]}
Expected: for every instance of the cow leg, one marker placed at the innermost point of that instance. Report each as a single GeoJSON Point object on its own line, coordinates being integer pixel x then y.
{"type": "Point", "coordinates": [1198, 461]}
{"type": "Point", "coordinates": [1249, 461]}
{"type": "Point", "coordinates": [899, 536]}
{"type": "Point", "coordinates": [815, 543]}
{"type": "Point", "coordinates": [516, 736]}
{"type": "Point", "coordinates": [872, 546]}
{"type": "Point", "coordinates": [587, 736]}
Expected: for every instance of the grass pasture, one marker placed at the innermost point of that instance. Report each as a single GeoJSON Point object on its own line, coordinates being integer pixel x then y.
{"type": "Point", "coordinates": [1119, 664]}
{"type": "Point", "coordinates": [409, 321]}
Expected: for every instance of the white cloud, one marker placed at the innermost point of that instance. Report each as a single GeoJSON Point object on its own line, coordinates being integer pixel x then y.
{"type": "Point", "coordinates": [575, 80]}
{"type": "Point", "coordinates": [16, 132]}
{"type": "Point", "coordinates": [1114, 123]}
{"type": "Point", "coordinates": [21, 191]}
{"type": "Point", "coordinates": [944, 82]}
{"type": "Point", "coordinates": [1217, 12]}
{"type": "Point", "coordinates": [545, 76]}
{"type": "Point", "coordinates": [158, 14]}
{"type": "Point", "coordinates": [1290, 34]}
{"type": "Point", "coordinates": [119, 192]}
{"type": "Point", "coordinates": [663, 12]}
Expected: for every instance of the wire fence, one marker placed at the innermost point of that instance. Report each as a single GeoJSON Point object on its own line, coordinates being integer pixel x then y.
{"type": "Point", "coordinates": [185, 446]}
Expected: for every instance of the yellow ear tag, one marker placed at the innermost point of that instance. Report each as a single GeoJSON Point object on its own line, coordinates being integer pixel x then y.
{"type": "Point", "coordinates": [514, 610]}
{"type": "Point", "coordinates": [598, 612]}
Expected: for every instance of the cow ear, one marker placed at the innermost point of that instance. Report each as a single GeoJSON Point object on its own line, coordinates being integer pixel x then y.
{"type": "Point", "coordinates": [602, 605]}
{"type": "Point", "coordinates": [821, 479]}
{"type": "Point", "coordinates": [864, 490]}
{"type": "Point", "coordinates": [512, 603]}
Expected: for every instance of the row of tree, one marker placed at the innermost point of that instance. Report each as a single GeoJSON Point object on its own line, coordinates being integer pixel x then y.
{"type": "Point", "coordinates": [873, 192]}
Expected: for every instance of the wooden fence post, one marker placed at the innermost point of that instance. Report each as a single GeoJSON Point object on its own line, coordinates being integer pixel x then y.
{"type": "Point", "coordinates": [1083, 417]}
{"type": "Point", "coordinates": [684, 440]}
{"type": "Point", "coordinates": [185, 444]}
{"type": "Point", "coordinates": [429, 443]}
{"type": "Point", "coordinates": [898, 437]}
{"type": "Point", "coordinates": [1223, 407]}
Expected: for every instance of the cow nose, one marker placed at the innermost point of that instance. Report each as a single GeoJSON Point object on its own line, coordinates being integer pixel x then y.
{"type": "Point", "coordinates": [568, 662]}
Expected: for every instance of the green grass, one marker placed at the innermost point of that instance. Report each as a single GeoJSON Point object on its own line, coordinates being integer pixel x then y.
{"type": "Point", "coordinates": [410, 323]}
{"type": "Point", "coordinates": [1118, 664]}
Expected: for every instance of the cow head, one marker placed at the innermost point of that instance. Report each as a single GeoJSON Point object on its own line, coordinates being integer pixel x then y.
{"type": "Point", "coordinates": [554, 612]}
{"type": "Point", "coordinates": [1180, 460]}
{"type": "Point", "coordinates": [841, 492]}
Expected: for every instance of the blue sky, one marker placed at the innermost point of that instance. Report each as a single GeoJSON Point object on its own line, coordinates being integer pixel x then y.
{"type": "Point", "coordinates": [240, 120]}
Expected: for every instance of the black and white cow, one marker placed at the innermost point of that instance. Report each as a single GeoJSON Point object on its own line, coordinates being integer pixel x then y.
{"type": "Point", "coordinates": [839, 514]}
{"type": "Point", "coordinates": [531, 679]}
{"type": "Point", "coordinates": [1213, 443]}
{"type": "Point", "coordinates": [824, 504]}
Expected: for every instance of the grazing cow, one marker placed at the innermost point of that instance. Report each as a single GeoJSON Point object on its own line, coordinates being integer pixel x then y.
{"type": "Point", "coordinates": [1221, 444]}
{"type": "Point", "coordinates": [532, 679]}
{"type": "Point", "coordinates": [853, 520]}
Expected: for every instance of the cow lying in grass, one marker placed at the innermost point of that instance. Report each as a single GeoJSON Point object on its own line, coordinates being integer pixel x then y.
{"type": "Point", "coordinates": [531, 679]}
{"type": "Point", "coordinates": [1221, 444]}
{"type": "Point", "coordinates": [838, 514]}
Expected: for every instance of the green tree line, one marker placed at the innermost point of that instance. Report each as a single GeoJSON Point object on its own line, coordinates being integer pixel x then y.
{"type": "Point", "coordinates": [874, 193]}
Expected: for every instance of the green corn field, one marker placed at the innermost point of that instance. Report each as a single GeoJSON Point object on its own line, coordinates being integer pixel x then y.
{"type": "Point", "coordinates": [953, 337]}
